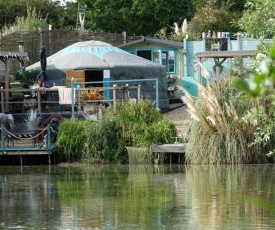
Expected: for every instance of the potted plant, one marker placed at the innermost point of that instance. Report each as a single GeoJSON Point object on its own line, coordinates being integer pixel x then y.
{"type": "Point", "coordinates": [90, 100]}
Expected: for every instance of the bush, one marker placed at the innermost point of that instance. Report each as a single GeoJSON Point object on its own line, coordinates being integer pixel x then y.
{"type": "Point", "coordinates": [141, 125]}
{"type": "Point", "coordinates": [71, 138]}
{"type": "Point", "coordinates": [217, 133]}
{"type": "Point", "coordinates": [138, 125]}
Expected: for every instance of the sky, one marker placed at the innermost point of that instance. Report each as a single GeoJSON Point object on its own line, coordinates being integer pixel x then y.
{"type": "Point", "coordinates": [63, 2]}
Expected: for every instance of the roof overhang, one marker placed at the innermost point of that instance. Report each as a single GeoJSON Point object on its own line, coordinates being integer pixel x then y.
{"type": "Point", "coordinates": [20, 56]}
{"type": "Point", "coordinates": [163, 42]}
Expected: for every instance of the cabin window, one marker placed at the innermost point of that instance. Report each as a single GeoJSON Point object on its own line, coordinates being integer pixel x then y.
{"type": "Point", "coordinates": [168, 59]}
{"type": "Point", "coordinates": [156, 56]}
{"type": "Point", "coordinates": [145, 54]}
{"type": "Point", "coordinates": [165, 57]}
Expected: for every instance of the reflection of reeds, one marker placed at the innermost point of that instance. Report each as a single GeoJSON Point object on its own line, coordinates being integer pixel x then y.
{"type": "Point", "coordinates": [216, 133]}
{"type": "Point", "coordinates": [239, 193]}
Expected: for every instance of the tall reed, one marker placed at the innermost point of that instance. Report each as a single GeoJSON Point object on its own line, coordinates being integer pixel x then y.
{"type": "Point", "coordinates": [72, 135]}
{"type": "Point", "coordinates": [216, 133]}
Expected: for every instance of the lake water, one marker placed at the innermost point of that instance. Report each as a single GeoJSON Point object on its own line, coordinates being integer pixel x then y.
{"type": "Point", "coordinates": [138, 197]}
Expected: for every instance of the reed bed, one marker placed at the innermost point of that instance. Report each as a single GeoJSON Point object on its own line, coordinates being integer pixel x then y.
{"type": "Point", "coordinates": [216, 132]}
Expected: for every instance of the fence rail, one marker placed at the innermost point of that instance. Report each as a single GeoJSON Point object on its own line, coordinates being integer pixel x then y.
{"type": "Point", "coordinates": [49, 97]}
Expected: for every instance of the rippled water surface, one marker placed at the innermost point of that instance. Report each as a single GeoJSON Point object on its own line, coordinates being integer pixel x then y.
{"type": "Point", "coordinates": [137, 197]}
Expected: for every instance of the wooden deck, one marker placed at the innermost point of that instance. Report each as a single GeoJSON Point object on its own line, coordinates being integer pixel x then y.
{"type": "Point", "coordinates": [170, 148]}
{"type": "Point", "coordinates": [25, 147]}
{"type": "Point", "coordinates": [27, 150]}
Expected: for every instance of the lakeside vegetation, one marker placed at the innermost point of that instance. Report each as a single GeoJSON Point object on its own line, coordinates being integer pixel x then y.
{"type": "Point", "coordinates": [104, 141]}
{"type": "Point", "coordinates": [233, 118]}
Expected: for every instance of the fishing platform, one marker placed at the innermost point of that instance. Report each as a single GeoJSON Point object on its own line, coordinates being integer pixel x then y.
{"type": "Point", "coordinates": [27, 143]}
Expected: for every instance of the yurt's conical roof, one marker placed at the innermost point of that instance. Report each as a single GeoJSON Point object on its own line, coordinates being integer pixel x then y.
{"type": "Point", "coordinates": [91, 55]}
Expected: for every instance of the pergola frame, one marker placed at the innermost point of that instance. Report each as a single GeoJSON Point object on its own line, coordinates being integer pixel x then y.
{"type": "Point", "coordinates": [6, 56]}
{"type": "Point", "coordinates": [217, 55]}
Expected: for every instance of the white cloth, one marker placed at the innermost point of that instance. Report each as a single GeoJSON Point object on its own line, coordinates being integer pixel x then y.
{"type": "Point", "coordinates": [65, 96]}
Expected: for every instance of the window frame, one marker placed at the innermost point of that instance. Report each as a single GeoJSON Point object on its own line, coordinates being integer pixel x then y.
{"type": "Point", "coordinates": [160, 59]}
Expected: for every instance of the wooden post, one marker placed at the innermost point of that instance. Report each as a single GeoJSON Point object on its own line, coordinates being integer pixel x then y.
{"type": "Point", "coordinates": [138, 94]}
{"type": "Point", "coordinates": [49, 138]}
{"type": "Point", "coordinates": [124, 37]}
{"type": "Point", "coordinates": [2, 101]}
{"type": "Point", "coordinates": [78, 98]}
{"type": "Point", "coordinates": [114, 96]}
{"type": "Point", "coordinates": [126, 92]}
{"type": "Point", "coordinates": [39, 100]}
{"type": "Point", "coordinates": [217, 71]}
{"type": "Point", "coordinates": [3, 139]}
{"type": "Point", "coordinates": [7, 83]}
{"type": "Point", "coordinates": [199, 71]}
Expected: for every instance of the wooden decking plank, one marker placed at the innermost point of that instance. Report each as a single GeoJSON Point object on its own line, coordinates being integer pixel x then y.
{"type": "Point", "coordinates": [168, 148]}
{"type": "Point", "coordinates": [19, 153]}
{"type": "Point", "coordinates": [27, 150]}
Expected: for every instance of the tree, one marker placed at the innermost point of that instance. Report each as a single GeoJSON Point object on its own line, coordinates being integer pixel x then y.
{"type": "Point", "coordinates": [260, 89]}
{"type": "Point", "coordinates": [235, 5]}
{"type": "Point", "coordinates": [212, 16]}
{"type": "Point", "coordinates": [12, 9]}
{"type": "Point", "coordinates": [32, 21]}
{"type": "Point", "coordinates": [258, 19]}
{"type": "Point", "coordinates": [135, 16]}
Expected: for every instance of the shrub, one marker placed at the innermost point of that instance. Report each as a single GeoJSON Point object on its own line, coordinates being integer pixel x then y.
{"type": "Point", "coordinates": [71, 137]}
{"type": "Point", "coordinates": [217, 134]}
{"type": "Point", "coordinates": [141, 125]}
{"type": "Point", "coordinates": [138, 125]}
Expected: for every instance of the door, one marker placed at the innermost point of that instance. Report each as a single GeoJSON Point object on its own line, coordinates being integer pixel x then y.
{"type": "Point", "coordinates": [78, 75]}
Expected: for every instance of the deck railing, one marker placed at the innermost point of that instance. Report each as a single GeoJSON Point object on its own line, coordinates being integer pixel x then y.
{"type": "Point", "coordinates": [21, 144]}
{"type": "Point", "coordinates": [48, 97]}
{"type": "Point", "coordinates": [26, 141]}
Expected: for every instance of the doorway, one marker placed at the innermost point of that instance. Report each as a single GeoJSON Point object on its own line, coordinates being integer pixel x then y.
{"type": "Point", "coordinates": [94, 75]}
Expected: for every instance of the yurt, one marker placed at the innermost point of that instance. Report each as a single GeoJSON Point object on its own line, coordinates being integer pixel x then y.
{"type": "Point", "coordinates": [102, 63]}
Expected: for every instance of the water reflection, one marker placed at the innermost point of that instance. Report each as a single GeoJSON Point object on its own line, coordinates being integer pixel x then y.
{"type": "Point", "coordinates": [137, 197]}
{"type": "Point", "coordinates": [231, 197]}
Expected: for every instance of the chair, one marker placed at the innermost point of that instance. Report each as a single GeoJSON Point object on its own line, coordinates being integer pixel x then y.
{"type": "Point", "coordinates": [17, 96]}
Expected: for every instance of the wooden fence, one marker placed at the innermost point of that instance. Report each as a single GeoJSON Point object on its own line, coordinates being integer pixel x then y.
{"type": "Point", "coordinates": [48, 98]}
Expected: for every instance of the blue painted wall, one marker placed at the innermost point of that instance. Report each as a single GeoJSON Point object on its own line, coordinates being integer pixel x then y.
{"type": "Point", "coordinates": [190, 66]}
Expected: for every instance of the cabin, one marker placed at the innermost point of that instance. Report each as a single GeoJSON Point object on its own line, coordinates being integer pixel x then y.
{"type": "Point", "coordinates": [165, 52]}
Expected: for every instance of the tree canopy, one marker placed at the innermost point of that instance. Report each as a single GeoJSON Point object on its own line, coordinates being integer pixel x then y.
{"type": "Point", "coordinates": [149, 17]}
{"type": "Point", "coordinates": [258, 19]}
{"type": "Point", "coordinates": [141, 17]}
{"type": "Point", "coordinates": [214, 16]}
{"type": "Point", "coordinates": [12, 9]}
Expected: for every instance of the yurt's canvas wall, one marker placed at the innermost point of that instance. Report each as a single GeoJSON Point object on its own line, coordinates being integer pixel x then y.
{"type": "Point", "coordinates": [130, 67]}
